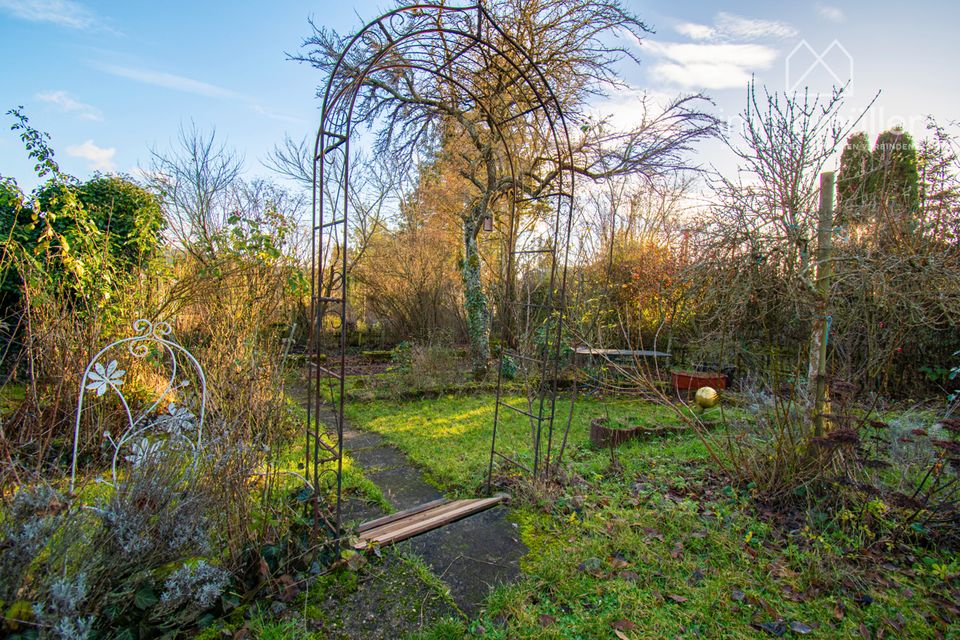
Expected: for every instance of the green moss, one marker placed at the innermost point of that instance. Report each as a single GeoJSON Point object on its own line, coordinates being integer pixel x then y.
{"type": "Point", "coordinates": [655, 540]}
{"type": "Point", "coordinates": [428, 578]}
{"type": "Point", "coordinates": [11, 396]}
{"type": "Point", "coordinates": [450, 629]}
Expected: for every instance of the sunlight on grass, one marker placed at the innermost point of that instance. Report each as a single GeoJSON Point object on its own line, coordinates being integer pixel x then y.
{"type": "Point", "coordinates": [450, 436]}
{"type": "Point", "coordinates": [655, 544]}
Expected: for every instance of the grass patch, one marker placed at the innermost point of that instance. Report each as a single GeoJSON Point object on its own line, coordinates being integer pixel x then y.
{"type": "Point", "coordinates": [657, 546]}
{"type": "Point", "coordinates": [354, 482]}
{"type": "Point", "coordinates": [449, 436]}
{"type": "Point", "coordinates": [12, 396]}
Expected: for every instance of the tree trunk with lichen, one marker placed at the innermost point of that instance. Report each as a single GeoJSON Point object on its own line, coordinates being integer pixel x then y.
{"type": "Point", "coordinates": [475, 301]}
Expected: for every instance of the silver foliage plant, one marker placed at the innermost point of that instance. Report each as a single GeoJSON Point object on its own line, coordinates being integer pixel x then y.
{"type": "Point", "coordinates": [61, 613]}
{"type": "Point", "coordinates": [74, 556]}
{"type": "Point", "coordinates": [199, 585]}
{"type": "Point", "coordinates": [26, 528]}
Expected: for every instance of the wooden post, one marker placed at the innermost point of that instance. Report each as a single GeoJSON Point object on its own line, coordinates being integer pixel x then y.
{"type": "Point", "coordinates": [817, 371]}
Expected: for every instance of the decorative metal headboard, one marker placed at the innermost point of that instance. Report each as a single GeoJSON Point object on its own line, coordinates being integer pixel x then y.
{"type": "Point", "coordinates": [147, 431]}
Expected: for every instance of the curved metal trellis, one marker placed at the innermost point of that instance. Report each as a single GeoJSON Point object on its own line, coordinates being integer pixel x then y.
{"type": "Point", "coordinates": [446, 44]}
{"type": "Point", "coordinates": [147, 431]}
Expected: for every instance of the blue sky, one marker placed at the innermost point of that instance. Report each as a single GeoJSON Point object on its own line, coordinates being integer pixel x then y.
{"type": "Point", "coordinates": [109, 80]}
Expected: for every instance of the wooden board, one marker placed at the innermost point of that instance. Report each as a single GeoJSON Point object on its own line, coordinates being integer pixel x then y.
{"type": "Point", "coordinates": [427, 517]}
{"type": "Point", "coordinates": [400, 515]}
{"type": "Point", "coordinates": [625, 353]}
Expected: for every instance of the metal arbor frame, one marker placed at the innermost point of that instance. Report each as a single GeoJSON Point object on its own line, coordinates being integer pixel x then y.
{"type": "Point", "coordinates": [407, 41]}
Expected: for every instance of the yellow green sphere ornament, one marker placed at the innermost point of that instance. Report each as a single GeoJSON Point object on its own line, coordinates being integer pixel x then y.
{"type": "Point", "coordinates": [707, 397]}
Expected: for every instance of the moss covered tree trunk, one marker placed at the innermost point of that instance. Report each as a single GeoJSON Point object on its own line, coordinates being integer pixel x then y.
{"type": "Point", "coordinates": [475, 301]}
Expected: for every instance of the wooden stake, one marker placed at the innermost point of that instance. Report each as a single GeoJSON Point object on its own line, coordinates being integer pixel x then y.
{"type": "Point", "coordinates": [817, 371]}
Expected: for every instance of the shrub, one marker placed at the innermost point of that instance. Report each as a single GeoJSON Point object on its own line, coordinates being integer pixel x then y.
{"type": "Point", "coordinates": [96, 563]}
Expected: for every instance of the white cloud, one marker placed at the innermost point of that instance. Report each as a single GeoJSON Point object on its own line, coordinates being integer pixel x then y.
{"type": "Point", "coordinates": [757, 55]}
{"type": "Point", "coordinates": [736, 27]}
{"type": "Point", "coordinates": [197, 87]}
{"type": "Point", "coordinates": [729, 27]}
{"type": "Point", "coordinates": [709, 66]}
{"type": "Point", "coordinates": [69, 104]}
{"type": "Point", "coordinates": [65, 13]}
{"type": "Point", "coordinates": [274, 115]}
{"type": "Point", "coordinates": [168, 81]}
{"type": "Point", "coordinates": [703, 76]}
{"type": "Point", "coordinates": [724, 55]}
{"type": "Point", "coordinates": [833, 14]}
{"type": "Point", "coordinates": [696, 31]}
{"type": "Point", "coordinates": [98, 158]}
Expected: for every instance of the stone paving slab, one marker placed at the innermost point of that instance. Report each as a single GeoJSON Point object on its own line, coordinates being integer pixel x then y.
{"type": "Point", "coordinates": [471, 555]}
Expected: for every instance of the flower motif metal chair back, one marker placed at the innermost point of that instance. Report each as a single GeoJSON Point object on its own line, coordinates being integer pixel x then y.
{"type": "Point", "coordinates": [170, 416]}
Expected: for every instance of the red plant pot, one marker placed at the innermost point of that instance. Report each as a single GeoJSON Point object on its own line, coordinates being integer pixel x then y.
{"type": "Point", "coordinates": [693, 380]}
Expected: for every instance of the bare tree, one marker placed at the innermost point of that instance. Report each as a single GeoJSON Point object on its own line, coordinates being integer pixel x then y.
{"type": "Point", "coordinates": [763, 229]}
{"type": "Point", "coordinates": [480, 101]}
{"type": "Point", "coordinates": [194, 179]}
{"type": "Point", "coordinates": [375, 191]}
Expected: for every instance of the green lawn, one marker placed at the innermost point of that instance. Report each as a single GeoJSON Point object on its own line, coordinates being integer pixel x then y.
{"type": "Point", "coordinates": [657, 546]}
{"type": "Point", "coordinates": [355, 484]}
{"type": "Point", "coordinates": [450, 436]}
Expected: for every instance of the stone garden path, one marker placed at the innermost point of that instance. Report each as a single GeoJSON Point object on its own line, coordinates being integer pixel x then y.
{"type": "Point", "coordinates": [470, 556]}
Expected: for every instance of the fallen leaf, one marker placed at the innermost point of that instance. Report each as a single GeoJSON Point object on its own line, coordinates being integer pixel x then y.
{"type": "Point", "coordinates": [790, 594]}
{"type": "Point", "coordinates": [864, 632]}
{"type": "Point", "coordinates": [800, 627]}
{"type": "Point", "coordinates": [776, 629]}
{"type": "Point", "coordinates": [618, 561]}
{"type": "Point", "coordinates": [591, 566]}
{"type": "Point", "coordinates": [839, 611]}
{"type": "Point", "coordinates": [676, 598]}
{"type": "Point", "coordinates": [623, 625]}
{"type": "Point", "coordinates": [653, 533]}
{"type": "Point", "coordinates": [546, 621]}
{"type": "Point", "coordinates": [895, 624]}
{"type": "Point", "coordinates": [289, 589]}
{"type": "Point", "coordinates": [864, 600]}
{"type": "Point", "coordinates": [263, 570]}
{"type": "Point", "coordinates": [781, 571]}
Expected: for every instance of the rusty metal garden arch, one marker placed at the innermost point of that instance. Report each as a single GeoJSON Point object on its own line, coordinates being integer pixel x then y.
{"type": "Point", "coordinates": [404, 40]}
